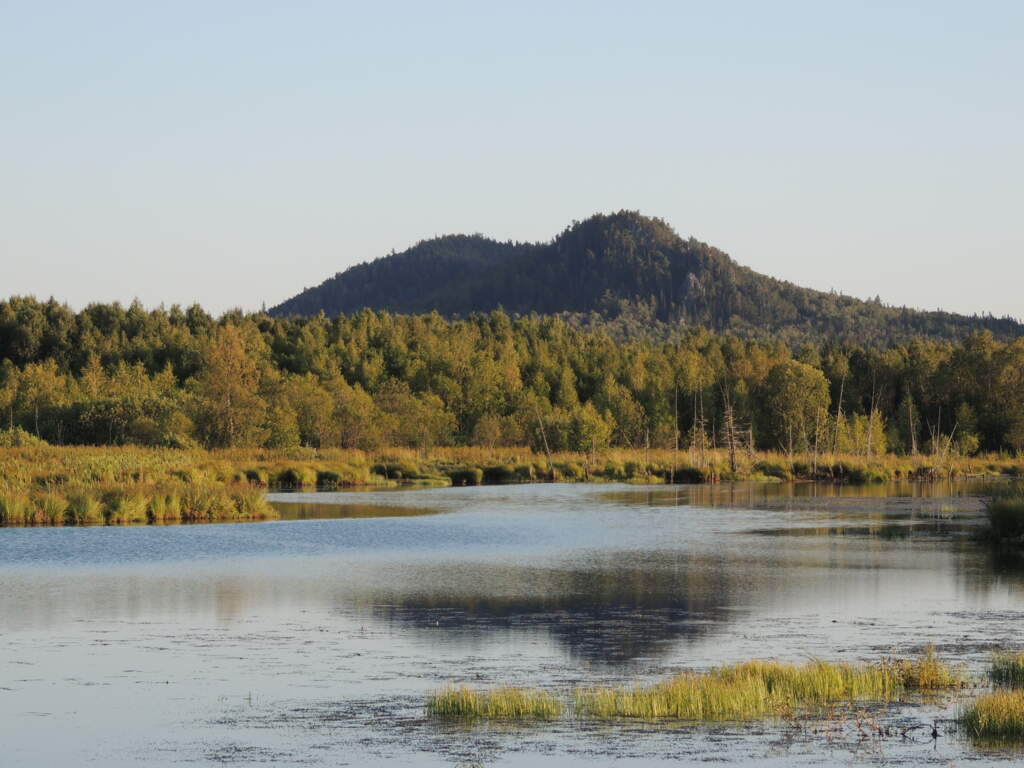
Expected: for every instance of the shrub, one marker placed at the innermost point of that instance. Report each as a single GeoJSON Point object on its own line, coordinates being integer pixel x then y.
{"type": "Point", "coordinates": [124, 506]}
{"type": "Point", "coordinates": [772, 469]}
{"type": "Point", "coordinates": [328, 478]}
{"type": "Point", "coordinates": [165, 506]}
{"type": "Point", "coordinates": [499, 474]}
{"type": "Point", "coordinates": [252, 505]}
{"type": "Point", "coordinates": [570, 470]}
{"type": "Point", "coordinates": [258, 476]}
{"type": "Point", "coordinates": [466, 476]}
{"type": "Point", "coordinates": [295, 477]}
{"type": "Point", "coordinates": [684, 474]}
{"type": "Point", "coordinates": [396, 470]}
{"type": "Point", "coordinates": [634, 469]}
{"type": "Point", "coordinates": [526, 473]}
{"type": "Point", "coordinates": [614, 470]}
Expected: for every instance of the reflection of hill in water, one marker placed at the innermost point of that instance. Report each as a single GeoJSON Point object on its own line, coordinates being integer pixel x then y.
{"type": "Point", "coordinates": [606, 612]}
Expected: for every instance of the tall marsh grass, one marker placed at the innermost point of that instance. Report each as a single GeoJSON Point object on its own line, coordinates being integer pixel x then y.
{"type": "Point", "coordinates": [757, 689]}
{"type": "Point", "coordinates": [15, 507]}
{"type": "Point", "coordinates": [1008, 668]}
{"type": "Point", "coordinates": [688, 696]}
{"type": "Point", "coordinates": [995, 717]}
{"type": "Point", "coordinates": [136, 504]}
{"type": "Point", "coordinates": [498, 704]}
{"type": "Point", "coordinates": [39, 470]}
{"type": "Point", "coordinates": [746, 691]}
{"type": "Point", "coordinates": [50, 508]}
{"type": "Point", "coordinates": [84, 509]}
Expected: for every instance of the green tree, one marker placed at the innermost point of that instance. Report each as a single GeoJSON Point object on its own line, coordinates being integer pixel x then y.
{"type": "Point", "coordinates": [795, 401]}
{"type": "Point", "coordinates": [9, 386]}
{"type": "Point", "coordinates": [232, 412]}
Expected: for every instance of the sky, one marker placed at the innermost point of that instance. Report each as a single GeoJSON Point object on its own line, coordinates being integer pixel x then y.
{"type": "Point", "coordinates": [234, 153]}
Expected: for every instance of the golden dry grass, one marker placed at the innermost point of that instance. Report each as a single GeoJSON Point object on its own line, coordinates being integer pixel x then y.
{"type": "Point", "coordinates": [507, 703]}
{"type": "Point", "coordinates": [746, 691]}
{"type": "Point", "coordinates": [996, 716]}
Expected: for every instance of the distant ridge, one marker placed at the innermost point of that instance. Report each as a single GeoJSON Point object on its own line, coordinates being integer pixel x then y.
{"type": "Point", "coordinates": [626, 270]}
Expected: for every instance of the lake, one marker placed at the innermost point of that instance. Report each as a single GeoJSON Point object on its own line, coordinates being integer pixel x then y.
{"type": "Point", "coordinates": [315, 639]}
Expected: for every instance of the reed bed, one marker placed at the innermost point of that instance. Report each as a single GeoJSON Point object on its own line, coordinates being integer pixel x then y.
{"type": "Point", "coordinates": [35, 481]}
{"type": "Point", "coordinates": [1008, 668]}
{"type": "Point", "coordinates": [688, 696]}
{"type": "Point", "coordinates": [747, 691]}
{"type": "Point", "coordinates": [42, 466]}
{"type": "Point", "coordinates": [757, 689]}
{"type": "Point", "coordinates": [505, 703]}
{"type": "Point", "coordinates": [135, 504]}
{"type": "Point", "coordinates": [995, 717]}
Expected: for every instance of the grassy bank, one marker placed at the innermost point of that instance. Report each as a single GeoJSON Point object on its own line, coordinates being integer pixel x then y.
{"type": "Point", "coordinates": [84, 485]}
{"type": "Point", "coordinates": [751, 690]}
{"type": "Point", "coordinates": [134, 503]}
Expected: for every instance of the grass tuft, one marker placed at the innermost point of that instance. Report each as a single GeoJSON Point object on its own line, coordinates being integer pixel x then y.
{"type": "Point", "coordinates": [83, 509]}
{"type": "Point", "coordinates": [1008, 668]}
{"type": "Point", "coordinates": [15, 507]}
{"type": "Point", "coordinates": [50, 508]}
{"type": "Point", "coordinates": [927, 672]}
{"type": "Point", "coordinates": [997, 716]}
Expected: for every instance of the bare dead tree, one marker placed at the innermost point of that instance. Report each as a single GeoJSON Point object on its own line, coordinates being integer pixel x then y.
{"type": "Point", "coordinates": [729, 426]}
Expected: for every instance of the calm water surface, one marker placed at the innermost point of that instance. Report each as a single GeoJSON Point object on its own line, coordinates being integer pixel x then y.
{"type": "Point", "coordinates": [314, 640]}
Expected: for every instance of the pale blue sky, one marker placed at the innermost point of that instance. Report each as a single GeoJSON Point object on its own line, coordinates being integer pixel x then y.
{"type": "Point", "coordinates": [234, 153]}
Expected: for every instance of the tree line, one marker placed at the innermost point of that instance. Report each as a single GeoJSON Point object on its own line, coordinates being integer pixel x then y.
{"type": "Point", "coordinates": [111, 375]}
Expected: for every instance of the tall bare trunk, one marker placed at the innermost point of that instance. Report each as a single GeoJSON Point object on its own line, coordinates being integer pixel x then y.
{"type": "Point", "coordinates": [544, 438]}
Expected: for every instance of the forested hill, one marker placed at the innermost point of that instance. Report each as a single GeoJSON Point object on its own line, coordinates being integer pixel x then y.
{"type": "Point", "coordinates": [626, 271]}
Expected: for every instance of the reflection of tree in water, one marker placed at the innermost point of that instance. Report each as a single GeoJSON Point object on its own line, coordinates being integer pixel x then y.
{"type": "Point", "coordinates": [890, 498]}
{"type": "Point", "coordinates": [985, 567]}
{"type": "Point", "coordinates": [606, 611]}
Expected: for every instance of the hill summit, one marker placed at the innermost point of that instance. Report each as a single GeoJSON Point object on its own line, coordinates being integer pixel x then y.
{"type": "Point", "coordinates": [622, 268]}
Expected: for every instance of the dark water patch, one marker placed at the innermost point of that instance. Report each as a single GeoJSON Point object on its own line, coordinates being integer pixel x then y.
{"type": "Point", "coordinates": [893, 531]}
